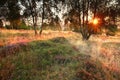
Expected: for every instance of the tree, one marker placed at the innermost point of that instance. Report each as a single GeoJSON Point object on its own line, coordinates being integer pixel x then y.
{"type": "Point", "coordinates": [80, 10]}
{"type": "Point", "coordinates": [31, 10]}
{"type": "Point", "coordinates": [49, 10]}
{"type": "Point", "coordinates": [80, 13]}
{"type": "Point", "coordinates": [43, 13]}
{"type": "Point", "coordinates": [2, 2]}
{"type": "Point", "coordinates": [14, 13]}
{"type": "Point", "coordinates": [3, 11]}
{"type": "Point", "coordinates": [61, 9]}
{"type": "Point", "coordinates": [1, 24]}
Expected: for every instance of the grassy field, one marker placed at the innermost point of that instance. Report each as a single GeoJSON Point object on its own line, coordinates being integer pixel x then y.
{"type": "Point", "coordinates": [58, 55]}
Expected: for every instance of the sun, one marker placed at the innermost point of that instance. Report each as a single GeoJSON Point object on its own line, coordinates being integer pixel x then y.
{"type": "Point", "coordinates": [95, 21]}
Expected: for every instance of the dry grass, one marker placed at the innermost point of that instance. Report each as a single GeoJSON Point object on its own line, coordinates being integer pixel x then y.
{"type": "Point", "coordinates": [105, 49]}
{"type": "Point", "coordinates": [96, 46]}
{"type": "Point", "coordinates": [16, 36]}
{"type": "Point", "coordinates": [100, 47]}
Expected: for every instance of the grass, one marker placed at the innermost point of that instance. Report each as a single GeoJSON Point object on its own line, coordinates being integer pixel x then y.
{"type": "Point", "coordinates": [34, 60]}
{"type": "Point", "coordinates": [15, 36]}
{"type": "Point", "coordinates": [65, 57]}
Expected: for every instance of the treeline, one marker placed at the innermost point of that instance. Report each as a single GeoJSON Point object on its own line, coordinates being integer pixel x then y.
{"type": "Point", "coordinates": [74, 14]}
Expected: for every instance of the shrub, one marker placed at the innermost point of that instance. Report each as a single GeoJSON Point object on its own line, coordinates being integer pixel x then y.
{"type": "Point", "coordinates": [8, 27]}
{"type": "Point", "coordinates": [24, 26]}
{"type": "Point", "coordinates": [95, 70]}
{"type": "Point", "coordinates": [61, 40]}
{"type": "Point", "coordinates": [112, 28]}
{"type": "Point", "coordinates": [109, 33]}
{"type": "Point", "coordinates": [21, 26]}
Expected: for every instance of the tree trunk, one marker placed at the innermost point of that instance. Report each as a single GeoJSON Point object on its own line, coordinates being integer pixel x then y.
{"type": "Point", "coordinates": [85, 30]}
{"type": "Point", "coordinates": [34, 25]}
{"type": "Point", "coordinates": [1, 24]}
{"type": "Point", "coordinates": [33, 16]}
{"type": "Point", "coordinates": [41, 27]}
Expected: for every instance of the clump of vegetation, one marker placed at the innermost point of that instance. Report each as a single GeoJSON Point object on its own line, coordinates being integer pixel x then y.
{"type": "Point", "coordinates": [59, 40]}
{"type": "Point", "coordinates": [12, 49]}
{"type": "Point", "coordinates": [20, 26]}
{"type": "Point", "coordinates": [111, 29]}
{"type": "Point", "coordinates": [8, 27]}
{"type": "Point", "coordinates": [94, 70]}
{"type": "Point", "coordinates": [24, 26]}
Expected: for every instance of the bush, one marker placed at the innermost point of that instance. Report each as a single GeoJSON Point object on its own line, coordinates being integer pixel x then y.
{"type": "Point", "coordinates": [112, 28]}
{"type": "Point", "coordinates": [21, 26]}
{"type": "Point", "coordinates": [61, 40]}
{"type": "Point", "coordinates": [24, 26]}
{"type": "Point", "coordinates": [93, 70]}
{"type": "Point", "coordinates": [110, 33]}
{"type": "Point", "coordinates": [8, 27]}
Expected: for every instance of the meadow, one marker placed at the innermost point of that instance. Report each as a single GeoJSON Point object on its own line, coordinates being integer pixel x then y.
{"type": "Point", "coordinates": [58, 55]}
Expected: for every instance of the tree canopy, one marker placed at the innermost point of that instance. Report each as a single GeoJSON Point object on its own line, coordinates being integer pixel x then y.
{"type": "Point", "coordinates": [77, 12]}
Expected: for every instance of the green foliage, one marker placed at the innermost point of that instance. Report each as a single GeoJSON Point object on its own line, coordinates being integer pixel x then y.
{"type": "Point", "coordinates": [109, 33]}
{"type": "Point", "coordinates": [111, 29]}
{"type": "Point", "coordinates": [24, 26]}
{"type": "Point", "coordinates": [2, 2]}
{"type": "Point", "coordinates": [21, 26]}
{"type": "Point", "coordinates": [35, 58]}
{"type": "Point", "coordinates": [14, 10]}
{"type": "Point", "coordinates": [51, 26]}
{"type": "Point", "coordinates": [8, 27]}
{"type": "Point", "coordinates": [61, 40]}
